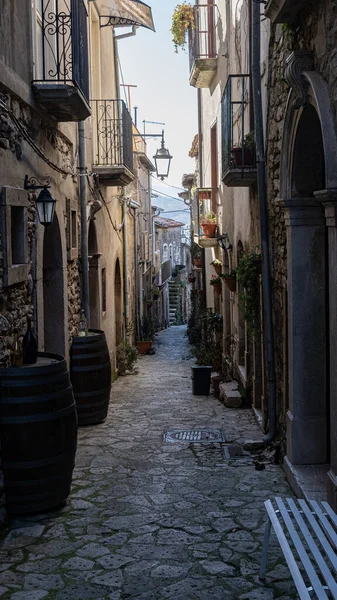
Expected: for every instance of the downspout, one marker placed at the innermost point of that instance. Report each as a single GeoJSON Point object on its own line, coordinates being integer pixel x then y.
{"type": "Point", "coordinates": [84, 235]}
{"type": "Point", "coordinates": [262, 196]}
{"type": "Point", "coordinates": [201, 181]}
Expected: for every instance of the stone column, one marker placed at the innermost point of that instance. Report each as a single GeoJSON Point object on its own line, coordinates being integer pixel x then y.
{"type": "Point", "coordinates": [306, 418]}
{"type": "Point", "coordinates": [329, 200]}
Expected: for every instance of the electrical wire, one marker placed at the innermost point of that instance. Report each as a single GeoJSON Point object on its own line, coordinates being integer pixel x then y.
{"type": "Point", "coordinates": [31, 142]}
{"type": "Point", "coordinates": [168, 196]}
{"type": "Point", "coordinates": [168, 184]}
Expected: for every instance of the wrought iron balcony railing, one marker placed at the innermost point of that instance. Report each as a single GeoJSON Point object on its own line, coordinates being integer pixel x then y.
{"type": "Point", "coordinates": [238, 147]}
{"type": "Point", "coordinates": [112, 141]}
{"type": "Point", "coordinates": [62, 71]}
{"type": "Point", "coordinates": [202, 45]}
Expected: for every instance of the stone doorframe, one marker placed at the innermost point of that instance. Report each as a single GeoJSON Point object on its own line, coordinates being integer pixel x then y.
{"type": "Point", "coordinates": [306, 221]}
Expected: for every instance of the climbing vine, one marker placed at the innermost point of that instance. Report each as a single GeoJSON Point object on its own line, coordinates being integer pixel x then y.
{"type": "Point", "coordinates": [248, 275]}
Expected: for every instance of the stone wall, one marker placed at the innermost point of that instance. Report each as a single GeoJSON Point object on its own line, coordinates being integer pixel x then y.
{"type": "Point", "coordinates": [315, 30]}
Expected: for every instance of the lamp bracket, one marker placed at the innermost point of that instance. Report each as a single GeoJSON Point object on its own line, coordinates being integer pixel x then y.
{"type": "Point", "coordinates": [31, 184]}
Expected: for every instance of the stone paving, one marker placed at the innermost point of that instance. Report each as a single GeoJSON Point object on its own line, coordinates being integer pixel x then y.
{"type": "Point", "coordinates": [149, 519]}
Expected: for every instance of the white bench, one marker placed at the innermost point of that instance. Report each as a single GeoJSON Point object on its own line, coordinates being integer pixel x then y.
{"type": "Point", "coordinates": [307, 534]}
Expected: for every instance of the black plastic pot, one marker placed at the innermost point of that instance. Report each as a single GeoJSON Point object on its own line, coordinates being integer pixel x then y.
{"type": "Point", "coordinates": [201, 380]}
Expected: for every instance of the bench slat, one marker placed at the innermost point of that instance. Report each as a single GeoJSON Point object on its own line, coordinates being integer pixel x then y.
{"type": "Point", "coordinates": [328, 577]}
{"type": "Point", "coordinates": [324, 522]}
{"type": "Point", "coordinates": [330, 512]}
{"type": "Point", "coordinates": [305, 559]}
{"type": "Point", "coordinates": [320, 534]}
{"type": "Point", "coordinates": [288, 555]}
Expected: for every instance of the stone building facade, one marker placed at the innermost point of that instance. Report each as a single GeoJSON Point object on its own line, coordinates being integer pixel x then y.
{"type": "Point", "coordinates": [64, 89]}
{"type": "Point", "coordinates": [301, 191]}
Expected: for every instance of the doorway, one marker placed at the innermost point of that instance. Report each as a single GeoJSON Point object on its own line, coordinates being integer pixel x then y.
{"type": "Point", "coordinates": [53, 291]}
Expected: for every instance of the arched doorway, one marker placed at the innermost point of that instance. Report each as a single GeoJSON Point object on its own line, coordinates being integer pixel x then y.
{"type": "Point", "coordinates": [53, 291]}
{"type": "Point", "coordinates": [241, 352]}
{"type": "Point", "coordinates": [305, 172]}
{"type": "Point", "coordinates": [118, 304]}
{"type": "Point", "coordinates": [94, 256]}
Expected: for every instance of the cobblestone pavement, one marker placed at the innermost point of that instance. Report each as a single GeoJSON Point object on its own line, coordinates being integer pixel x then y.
{"type": "Point", "coordinates": [150, 519]}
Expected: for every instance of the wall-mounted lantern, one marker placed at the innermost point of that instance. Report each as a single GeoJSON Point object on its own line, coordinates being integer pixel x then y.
{"type": "Point", "coordinates": [162, 160]}
{"type": "Point", "coordinates": [45, 203]}
{"type": "Point", "coordinates": [224, 243]}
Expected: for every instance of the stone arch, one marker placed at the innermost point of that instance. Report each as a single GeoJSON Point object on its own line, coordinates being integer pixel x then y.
{"type": "Point", "coordinates": [118, 304]}
{"type": "Point", "coordinates": [318, 98]}
{"type": "Point", "coordinates": [308, 166]}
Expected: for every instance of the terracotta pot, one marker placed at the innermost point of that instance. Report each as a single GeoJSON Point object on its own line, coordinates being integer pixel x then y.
{"type": "Point", "coordinates": [231, 283]}
{"type": "Point", "coordinates": [208, 229]}
{"type": "Point", "coordinates": [197, 262]}
{"type": "Point", "coordinates": [243, 159]}
{"type": "Point", "coordinates": [217, 269]}
{"type": "Point", "coordinates": [144, 347]}
{"type": "Point", "coordinates": [217, 288]}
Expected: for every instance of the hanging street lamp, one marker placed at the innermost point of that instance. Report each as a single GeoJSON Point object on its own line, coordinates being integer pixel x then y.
{"type": "Point", "coordinates": [224, 243]}
{"type": "Point", "coordinates": [162, 160]}
{"type": "Point", "coordinates": [45, 203]}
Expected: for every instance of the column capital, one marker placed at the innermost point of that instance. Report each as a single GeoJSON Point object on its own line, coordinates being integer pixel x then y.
{"type": "Point", "coordinates": [303, 212]}
{"type": "Point", "coordinates": [328, 199]}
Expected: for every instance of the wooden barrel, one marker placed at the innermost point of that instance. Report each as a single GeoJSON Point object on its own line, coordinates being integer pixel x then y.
{"type": "Point", "coordinates": [90, 374]}
{"type": "Point", "coordinates": [38, 434]}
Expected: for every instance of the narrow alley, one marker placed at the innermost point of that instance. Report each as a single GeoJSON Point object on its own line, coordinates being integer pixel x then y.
{"type": "Point", "coordinates": [150, 517]}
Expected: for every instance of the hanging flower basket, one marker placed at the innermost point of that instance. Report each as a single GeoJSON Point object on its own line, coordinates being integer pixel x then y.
{"type": "Point", "coordinates": [217, 288]}
{"type": "Point", "coordinates": [230, 281]}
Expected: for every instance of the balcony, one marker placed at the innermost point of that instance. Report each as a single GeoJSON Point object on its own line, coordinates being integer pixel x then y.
{"type": "Point", "coordinates": [112, 142]}
{"type": "Point", "coordinates": [204, 235]}
{"type": "Point", "coordinates": [62, 84]}
{"type": "Point", "coordinates": [202, 46]}
{"type": "Point", "coordinates": [238, 147]}
{"type": "Point", "coordinates": [283, 11]}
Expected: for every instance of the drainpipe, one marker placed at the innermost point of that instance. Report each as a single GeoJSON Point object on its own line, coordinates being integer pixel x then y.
{"type": "Point", "coordinates": [262, 196]}
{"type": "Point", "coordinates": [201, 181]}
{"type": "Point", "coordinates": [84, 236]}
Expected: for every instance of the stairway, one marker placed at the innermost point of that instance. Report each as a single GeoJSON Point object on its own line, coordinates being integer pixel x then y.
{"type": "Point", "coordinates": [174, 298]}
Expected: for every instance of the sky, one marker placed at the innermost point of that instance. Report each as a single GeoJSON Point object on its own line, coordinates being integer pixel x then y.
{"type": "Point", "coordinates": [163, 92]}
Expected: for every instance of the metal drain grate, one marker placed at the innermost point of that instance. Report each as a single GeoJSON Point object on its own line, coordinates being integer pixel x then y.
{"type": "Point", "coordinates": [195, 435]}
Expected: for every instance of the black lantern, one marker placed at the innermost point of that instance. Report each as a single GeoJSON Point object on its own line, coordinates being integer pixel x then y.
{"type": "Point", "coordinates": [45, 203]}
{"type": "Point", "coordinates": [223, 241]}
{"type": "Point", "coordinates": [162, 160]}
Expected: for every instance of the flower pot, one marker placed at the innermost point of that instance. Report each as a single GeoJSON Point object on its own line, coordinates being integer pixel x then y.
{"type": "Point", "coordinates": [201, 380]}
{"type": "Point", "coordinates": [208, 229]}
{"type": "Point", "coordinates": [144, 347]}
{"type": "Point", "coordinates": [217, 269]}
{"type": "Point", "coordinates": [245, 158]}
{"type": "Point", "coordinates": [191, 279]}
{"type": "Point", "coordinates": [231, 283]}
{"type": "Point", "coordinates": [217, 288]}
{"type": "Point", "coordinates": [197, 263]}
{"type": "Point", "coordinates": [216, 380]}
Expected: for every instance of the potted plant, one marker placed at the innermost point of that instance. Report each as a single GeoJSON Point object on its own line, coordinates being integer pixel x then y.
{"type": "Point", "coordinates": [230, 279]}
{"type": "Point", "coordinates": [147, 333]}
{"type": "Point", "coordinates": [201, 371]}
{"type": "Point", "coordinates": [182, 20]}
{"type": "Point", "coordinates": [215, 281]}
{"type": "Point", "coordinates": [217, 264]}
{"type": "Point", "coordinates": [155, 291]}
{"type": "Point", "coordinates": [244, 156]}
{"type": "Point", "coordinates": [126, 358]}
{"type": "Point", "coordinates": [208, 225]}
{"type": "Point", "coordinates": [196, 255]}
{"type": "Point", "coordinates": [191, 278]}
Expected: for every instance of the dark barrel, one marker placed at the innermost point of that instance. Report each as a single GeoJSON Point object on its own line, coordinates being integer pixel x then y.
{"type": "Point", "coordinates": [38, 434]}
{"type": "Point", "coordinates": [90, 374]}
{"type": "Point", "coordinates": [201, 380]}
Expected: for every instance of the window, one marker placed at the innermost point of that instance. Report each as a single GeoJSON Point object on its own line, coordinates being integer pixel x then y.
{"type": "Point", "coordinates": [165, 253]}
{"type": "Point", "coordinates": [17, 235]}
{"type": "Point", "coordinates": [14, 206]}
{"type": "Point", "coordinates": [104, 290]}
{"type": "Point", "coordinates": [73, 229]}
